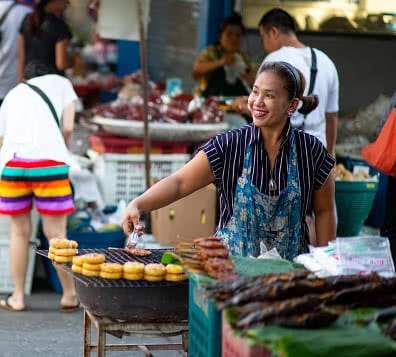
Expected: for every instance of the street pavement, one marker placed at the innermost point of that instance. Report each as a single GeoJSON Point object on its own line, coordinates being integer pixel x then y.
{"type": "Point", "coordinates": [42, 330]}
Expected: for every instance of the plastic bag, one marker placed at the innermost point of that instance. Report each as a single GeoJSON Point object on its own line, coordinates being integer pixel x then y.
{"type": "Point", "coordinates": [381, 153]}
{"type": "Point", "coordinates": [322, 261]}
{"type": "Point", "coordinates": [268, 254]}
{"type": "Point", "coordinates": [361, 255]}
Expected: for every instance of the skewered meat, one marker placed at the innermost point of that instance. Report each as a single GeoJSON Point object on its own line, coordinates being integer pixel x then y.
{"type": "Point", "coordinates": [220, 268]}
{"type": "Point", "coordinates": [221, 292]}
{"type": "Point", "coordinates": [211, 244]}
{"type": "Point", "coordinates": [366, 294]}
{"type": "Point", "coordinates": [205, 239]}
{"type": "Point", "coordinates": [219, 264]}
{"type": "Point", "coordinates": [277, 291]}
{"type": "Point", "coordinates": [138, 252]}
{"type": "Point", "coordinates": [205, 253]}
{"type": "Point", "coordinates": [250, 307]}
{"type": "Point", "coordinates": [318, 318]}
{"type": "Point", "coordinates": [340, 282]}
{"type": "Point", "coordinates": [283, 308]}
{"type": "Point", "coordinates": [209, 254]}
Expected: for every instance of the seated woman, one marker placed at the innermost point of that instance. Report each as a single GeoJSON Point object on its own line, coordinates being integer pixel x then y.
{"type": "Point", "coordinates": [223, 69]}
{"type": "Point", "coordinates": [267, 174]}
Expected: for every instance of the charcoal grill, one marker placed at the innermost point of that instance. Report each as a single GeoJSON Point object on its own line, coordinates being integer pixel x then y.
{"type": "Point", "coordinates": [127, 300]}
{"type": "Point", "coordinates": [124, 307]}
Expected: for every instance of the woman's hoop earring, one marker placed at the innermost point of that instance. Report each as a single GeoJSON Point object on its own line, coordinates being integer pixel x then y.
{"type": "Point", "coordinates": [290, 113]}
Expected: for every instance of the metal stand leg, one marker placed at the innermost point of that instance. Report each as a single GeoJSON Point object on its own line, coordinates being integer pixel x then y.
{"type": "Point", "coordinates": [87, 335]}
{"type": "Point", "coordinates": [185, 341]}
{"type": "Point", "coordinates": [101, 341]}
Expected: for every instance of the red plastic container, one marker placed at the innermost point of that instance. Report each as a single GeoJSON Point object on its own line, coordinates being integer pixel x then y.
{"type": "Point", "coordinates": [105, 143]}
{"type": "Point", "coordinates": [236, 346]}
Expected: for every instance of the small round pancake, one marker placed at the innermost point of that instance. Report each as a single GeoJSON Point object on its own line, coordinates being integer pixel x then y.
{"type": "Point", "coordinates": [62, 259]}
{"type": "Point", "coordinates": [106, 275]}
{"type": "Point", "coordinates": [92, 267]}
{"type": "Point", "coordinates": [130, 276]}
{"type": "Point", "coordinates": [91, 273]}
{"type": "Point", "coordinates": [154, 269]}
{"type": "Point", "coordinates": [133, 268]}
{"type": "Point", "coordinates": [76, 269]}
{"type": "Point", "coordinates": [111, 268]}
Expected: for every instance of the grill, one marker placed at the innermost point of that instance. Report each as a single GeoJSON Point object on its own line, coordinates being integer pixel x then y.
{"type": "Point", "coordinates": [127, 300]}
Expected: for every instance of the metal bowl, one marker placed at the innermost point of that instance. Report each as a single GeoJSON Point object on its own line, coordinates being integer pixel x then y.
{"type": "Point", "coordinates": [186, 132]}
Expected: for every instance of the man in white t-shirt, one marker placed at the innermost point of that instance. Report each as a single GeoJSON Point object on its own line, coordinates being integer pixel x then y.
{"type": "Point", "coordinates": [278, 34]}
{"type": "Point", "coordinates": [8, 45]}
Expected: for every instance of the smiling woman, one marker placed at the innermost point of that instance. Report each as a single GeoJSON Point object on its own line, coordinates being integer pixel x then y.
{"type": "Point", "coordinates": [268, 174]}
{"type": "Point", "coordinates": [278, 94]}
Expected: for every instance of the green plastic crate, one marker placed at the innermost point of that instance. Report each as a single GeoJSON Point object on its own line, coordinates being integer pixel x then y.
{"type": "Point", "coordinates": [204, 323]}
{"type": "Point", "coordinates": [354, 200]}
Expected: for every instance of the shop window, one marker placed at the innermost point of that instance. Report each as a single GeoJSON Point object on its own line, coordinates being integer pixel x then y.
{"type": "Point", "coordinates": [340, 16]}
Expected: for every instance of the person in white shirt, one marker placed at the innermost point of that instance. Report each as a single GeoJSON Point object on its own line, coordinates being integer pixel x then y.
{"type": "Point", "coordinates": [278, 34]}
{"type": "Point", "coordinates": [34, 165]}
{"type": "Point", "coordinates": [9, 45]}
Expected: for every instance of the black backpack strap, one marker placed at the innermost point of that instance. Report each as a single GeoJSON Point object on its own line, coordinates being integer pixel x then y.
{"type": "Point", "coordinates": [314, 71]}
{"type": "Point", "coordinates": [46, 99]}
{"type": "Point", "coordinates": [4, 16]}
{"type": "Point", "coordinates": [312, 79]}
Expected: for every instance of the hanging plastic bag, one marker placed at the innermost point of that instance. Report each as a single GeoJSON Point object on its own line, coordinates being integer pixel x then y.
{"type": "Point", "coordinates": [381, 154]}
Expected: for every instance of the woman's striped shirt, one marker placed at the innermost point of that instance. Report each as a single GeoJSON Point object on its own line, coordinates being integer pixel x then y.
{"type": "Point", "coordinates": [226, 153]}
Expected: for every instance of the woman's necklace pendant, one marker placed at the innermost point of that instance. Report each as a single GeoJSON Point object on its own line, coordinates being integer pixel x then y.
{"type": "Point", "coordinates": [272, 185]}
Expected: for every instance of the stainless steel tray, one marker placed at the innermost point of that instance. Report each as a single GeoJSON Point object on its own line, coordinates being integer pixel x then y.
{"type": "Point", "coordinates": [187, 132]}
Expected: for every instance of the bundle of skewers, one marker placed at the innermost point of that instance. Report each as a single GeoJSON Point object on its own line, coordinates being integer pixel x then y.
{"type": "Point", "coordinates": [298, 300]}
{"type": "Point", "coordinates": [209, 256]}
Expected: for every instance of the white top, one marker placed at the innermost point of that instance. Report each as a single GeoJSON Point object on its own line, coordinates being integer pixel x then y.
{"type": "Point", "coordinates": [27, 125]}
{"type": "Point", "coordinates": [326, 86]}
{"type": "Point", "coordinates": [9, 45]}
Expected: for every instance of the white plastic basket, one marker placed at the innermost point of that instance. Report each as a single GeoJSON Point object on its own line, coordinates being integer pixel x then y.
{"type": "Point", "coordinates": [6, 284]}
{"type": "Point", "coordinates": [124, 175]}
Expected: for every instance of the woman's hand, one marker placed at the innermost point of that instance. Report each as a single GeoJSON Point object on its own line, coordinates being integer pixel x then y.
{"type": "Point", "coordinates": [131, 218]}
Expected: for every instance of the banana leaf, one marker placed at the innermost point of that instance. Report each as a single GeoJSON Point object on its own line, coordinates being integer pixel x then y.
{"type": "Point", "coordinates": [345, 338]}
{"type": "Point", "coordinates": [246, 266]}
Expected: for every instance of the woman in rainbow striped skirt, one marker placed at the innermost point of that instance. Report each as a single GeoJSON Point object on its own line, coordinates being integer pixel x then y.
{"type": "Point", "coordinates": [34, 130]}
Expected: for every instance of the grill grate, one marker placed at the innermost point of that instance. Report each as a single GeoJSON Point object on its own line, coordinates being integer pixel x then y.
{"type": "Point", "coordinates": [118, 256]}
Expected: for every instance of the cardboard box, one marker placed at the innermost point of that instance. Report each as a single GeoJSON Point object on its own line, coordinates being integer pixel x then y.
{"type": "Point", "coordinates": [186, 219]}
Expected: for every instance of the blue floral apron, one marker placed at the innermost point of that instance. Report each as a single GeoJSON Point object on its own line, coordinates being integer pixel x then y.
{"type": "Point", "coordinates": [273, 220]}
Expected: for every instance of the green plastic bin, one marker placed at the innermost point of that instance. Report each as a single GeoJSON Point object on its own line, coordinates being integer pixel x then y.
{"type": "Point", "coordinates": [354, 200]}
{"type": "Point", "coordinates": [204, 323]}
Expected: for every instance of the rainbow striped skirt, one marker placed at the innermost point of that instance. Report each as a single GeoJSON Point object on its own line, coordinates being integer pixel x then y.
{"type": "Point", "coordinates": [44, 182]}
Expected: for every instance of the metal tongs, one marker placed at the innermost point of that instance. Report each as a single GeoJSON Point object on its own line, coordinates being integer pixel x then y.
{"type": "Point", "coordinates": [133, 239]}
{"type": "Point", "coordinates": [134, 236]}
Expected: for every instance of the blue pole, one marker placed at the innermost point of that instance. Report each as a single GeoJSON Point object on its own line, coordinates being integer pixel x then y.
{"type": "Point", "coordinates": [128, 57]}
{"type": "Point", "coordinates": [212, 12]}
